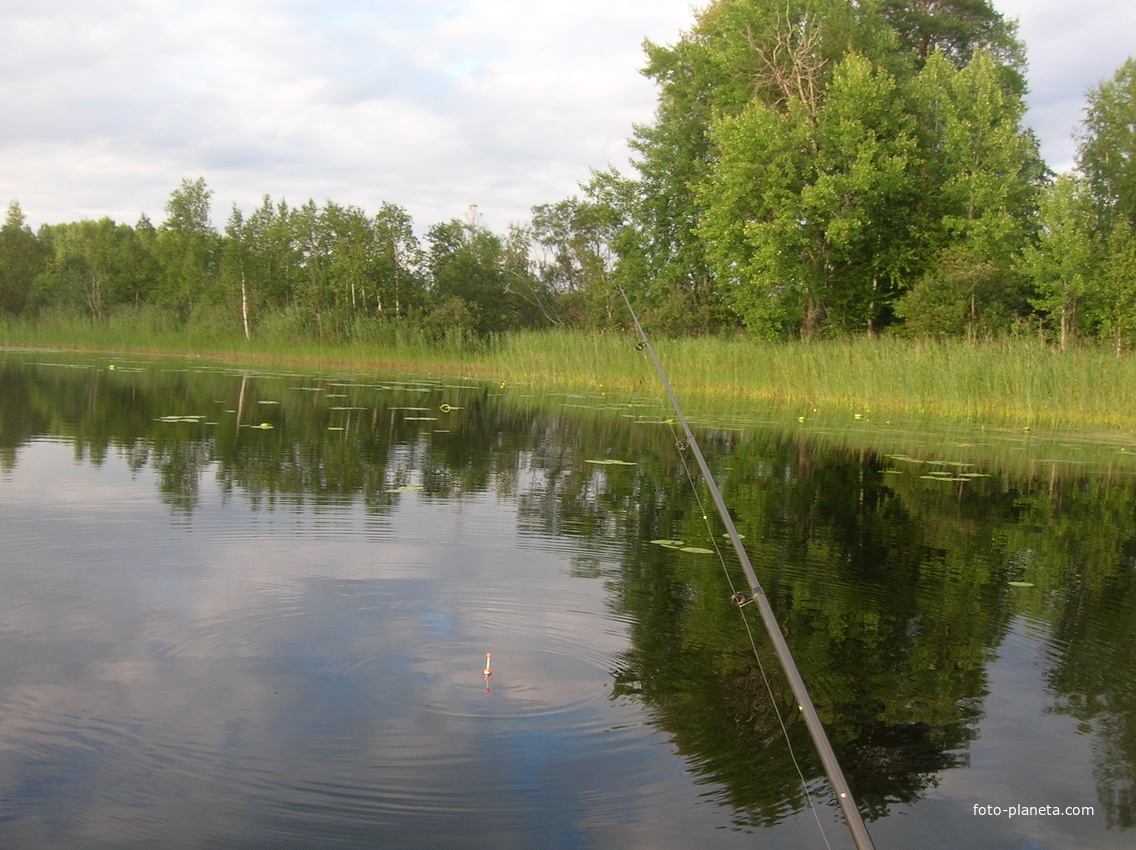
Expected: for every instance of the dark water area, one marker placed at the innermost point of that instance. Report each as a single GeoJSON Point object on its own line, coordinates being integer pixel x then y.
{"type": "Point", "coordinates": [249, 609]}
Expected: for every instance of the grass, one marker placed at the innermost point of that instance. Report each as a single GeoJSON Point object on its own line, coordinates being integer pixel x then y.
{"type": "Point", "coordinates": [1008, 381]}
{"type": "Point", "coordinates": [1011, 381]}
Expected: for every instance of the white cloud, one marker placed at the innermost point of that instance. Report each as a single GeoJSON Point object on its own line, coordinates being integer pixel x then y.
{"type": "Point", "coordinates": [1070, 49]}
{"type": "Point", "coordinates": [430, 105]}
{"type": "Point", "coordinates": [433, 105]}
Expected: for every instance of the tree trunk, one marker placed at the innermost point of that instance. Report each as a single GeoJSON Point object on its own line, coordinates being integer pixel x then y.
{"type": "Point", "coordinates": [244, 306]}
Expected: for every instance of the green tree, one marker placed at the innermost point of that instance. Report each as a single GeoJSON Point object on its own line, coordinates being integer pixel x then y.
{"type": "Point", "coordinates": [756, 195]}
{"type": "Point", "coordinates": [354, 257]}
{"type": "Point", "coordinates": [279, 263]}
{"type": "Point", "coordinates": [399, 285]}
{"type": "Point", "coordinates": [1106, 152]}
{"type": "Point", "coordinates": [980, 175]}
{"type": "Point", "coordinates": [738, 51]}
{"type": "Point", "coordinates": [958, 29]}
{"type": "Point", "coordinates": [1117, 305]}
{"type": "Point", "coordinates": [801, 200]}
{"type": "Point", "coordinates": [1061, 265]}
{"type": "Point", "coordinates": [94, 266]}
{"type": "Point", "coordinates": [468, 278]}
{"type": "Point", "coordinates": [187, 248]}
{"type": "Point", "coordinates": [576, 238]}
{"type": "Point", "coordinates": [961, 293]}
{"type": "Point", "coordinates": [237, 261]}
{"type": "Point", "coordinates": [21, 259]}
{"type": "Point", "coordinates": [311, 244]}
{"type": "Point", "coordinates": [140, 269]}
{"type": "Point", "coordinates": [982, 169]}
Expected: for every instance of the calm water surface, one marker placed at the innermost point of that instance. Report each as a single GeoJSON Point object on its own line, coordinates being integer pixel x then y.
{"type": "Point", "coordinates": [246, 609]}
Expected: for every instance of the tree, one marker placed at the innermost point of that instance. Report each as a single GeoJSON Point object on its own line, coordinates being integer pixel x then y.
{"type": "Point", "coordinates": [1106, 153]}
{"type": "Point", "coordinates": [354, 257]}
{"type": "Point", "coordinates": [399, 284]}
{"type": "Point", "coordinates": [738, 51]}
{"type": "Point", "coordinates": [982, 170]}
{"type": "Point", "coordinates": [799, 202]}
{"type": "Point", "coordinates": [961, 293]}
{"type": "Point", "coordinates": [187, 246]}
{"type": "Point", "coordinates": [236, 262]}
{"type": "Point", "coordinates": [980, 175]}
{"type": "Point", "coordinates": [1118, 288]}
{"type": "Point", "coordinates": [577, 239]}
{"type": "Point", "coordinates": [21, 258]}
{"type": "Point", "coordinates": [467, 273]}
{"type": "Point", "coordinates": [94, 266]}
{"type": "Point", "coordinates": [958, 29]}
{"type": "Point", "coordinates": [1061, 265]}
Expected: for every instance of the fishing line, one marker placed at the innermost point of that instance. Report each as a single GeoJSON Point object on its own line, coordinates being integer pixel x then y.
{"type": "Point", "coordinates": [774, 701]}
{"type": "Point", "coordinates": [805, 705]}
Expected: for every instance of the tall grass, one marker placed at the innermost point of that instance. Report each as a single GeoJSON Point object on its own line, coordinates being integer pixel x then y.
{"type": "Point", "coordinates": [1019, 381]}
{"type": "Point", "coordinates": [1008, 381]}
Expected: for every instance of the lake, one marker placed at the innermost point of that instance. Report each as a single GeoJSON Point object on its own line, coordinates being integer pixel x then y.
{"type": "Point", "coordinates": [250, 608]}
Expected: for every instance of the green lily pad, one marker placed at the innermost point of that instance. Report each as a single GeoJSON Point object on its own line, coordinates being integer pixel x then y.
{"type": "Point", "coordinates": [1021, 584]}
{"type": "Point", "coordinates": [411, 488]}
{"type": "Point", "coordinates": [607, 462]}
{"type": "Point", "coordinates": [698, 550]}
{"type": "Point", "coordinates": [670, 544]}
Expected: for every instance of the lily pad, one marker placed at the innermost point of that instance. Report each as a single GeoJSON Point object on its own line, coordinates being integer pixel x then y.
{"type": "Point", "coordinates": [670, 544]}
{"type": "Point", "coordinates": [610, 462]}
{"type": "Point", "coordinates": [698, 550]}
{"type": "Point", "coordinates": [410, 488]}
{"type": "Point", "coordinates": [1021, 584]}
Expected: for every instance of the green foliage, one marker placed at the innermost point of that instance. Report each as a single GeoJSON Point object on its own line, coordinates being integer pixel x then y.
{"type": "Point", "coordinates": [1063, 264]}
{"type": "Point", "coordinates": [94, 266]}
{"type": "Point", "coordinates": [982, 170]}
{"type": "Point", "coordinates": [799, 204]}
{"type": "Point", "coordinates": [477, 279]}
{"type": "Point", "coordinates": [1107, 150]}
{"type": "Point", "coordinates": [577, 238]}
{"type": "Point", "coordinates": [187, 248]}
{"type": "Point", "coordinates": [801, 170]}
{"type": "Point", "coordinates": [1118, 289]}
{"type": "Point", "coordinates": [958, 29]}
{"type": "Point", "coordinates": [959, 295]}
{"type": "Point", "coordinates": [21, 258]}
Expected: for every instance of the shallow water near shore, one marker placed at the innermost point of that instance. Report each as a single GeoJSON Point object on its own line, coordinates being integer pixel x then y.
{"type": "Point", "coordinates": [247, 608]}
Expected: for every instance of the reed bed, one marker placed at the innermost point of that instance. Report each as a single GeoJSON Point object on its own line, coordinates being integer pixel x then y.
{"type": "Point", "coordinates": [1016, 381]}
{"type": "Point", "coordinates": [1010, 381]}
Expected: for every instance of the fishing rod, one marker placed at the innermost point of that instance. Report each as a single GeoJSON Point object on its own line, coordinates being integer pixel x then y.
{"type": "Point", "coordinates": [757, 594]}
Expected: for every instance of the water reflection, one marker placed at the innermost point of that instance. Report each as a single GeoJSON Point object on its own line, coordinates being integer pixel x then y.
{"type": "Point", "coordinates": [292, 633]}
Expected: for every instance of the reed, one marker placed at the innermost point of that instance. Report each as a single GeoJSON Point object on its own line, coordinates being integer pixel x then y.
{"type": "Point", "coordinates": [1019, 381]}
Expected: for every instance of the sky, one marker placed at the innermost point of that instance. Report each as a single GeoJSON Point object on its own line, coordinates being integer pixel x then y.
{"type": "Point", "coordinates": [433, 105]}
